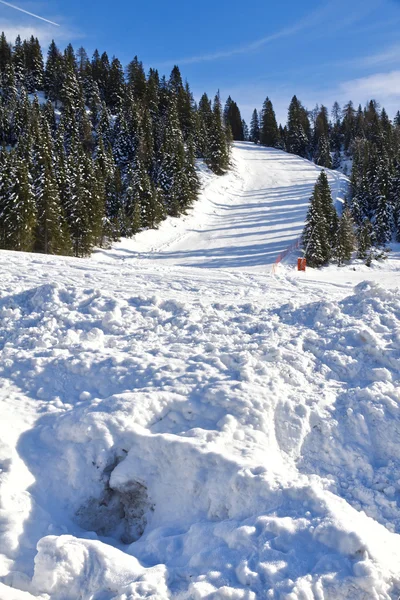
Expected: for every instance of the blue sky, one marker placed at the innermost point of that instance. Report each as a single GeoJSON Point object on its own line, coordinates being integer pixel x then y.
{"type": "Point", "coordinates": [321, 50]}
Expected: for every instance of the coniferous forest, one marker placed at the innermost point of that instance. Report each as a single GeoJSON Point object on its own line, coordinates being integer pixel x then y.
{"type": "Point", "coordinates": [108, 152]}
{"type": "Point", "coordinates": [92, 151]}
{"type": "Point", "coordinates": [368, 141]}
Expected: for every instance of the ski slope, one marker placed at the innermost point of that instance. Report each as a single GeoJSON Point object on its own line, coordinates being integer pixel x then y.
{"type": "Point", "coordinates": [185, 433]}
{"type": "Point", "coordinates": [243, 220]}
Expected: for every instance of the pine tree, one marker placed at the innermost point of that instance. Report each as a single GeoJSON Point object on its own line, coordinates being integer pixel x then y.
{"type": "Point", "coordinates": [137, 79]}
{"type": "Point", "coordinates": [394, 197]}
{"type": "Point", "coordinates": [115, 89]}
{"type": "Point", "coordinates": [383, 220]}
{"type": "Point", "coordinates": [315, 238]}
{"type": "Point", "coordinates": [74, 167]}
{"type": "Point", "coordinates": [269, 133]}
{"type": "Point", "coordinates": [7, 176]}
{"type": "Point", "coordinates": [34, 67]}
{"type": "Point", "coordinates": [348, 125]}
{"type": "Point", "coordinates": [365, 238]}
{"type": "Point", "coordinates": [5, 53]}
{"type": "Point", "coordinates": [54, 74]}
{"type": "Point", "coordinates": [282, 143]}
{"type": "Point", "coordinates": [191, 172]}
{"type": "Point", "coordinates": [52, 236]}
{"type": "Point", "coordinates": [345, 238]}
{"type": "Point", "coordinates": [18, 59]}
{"type": "Point", "coordinates": [233, 119]}
{"type": "Point", "coordinates": [24, 210]}
{"type": "Point", "coordinates": [337, 159]}
{"type": "Point", "coordinates": [321, 128]}
{"type": "Point", "coordinates": [246, 134]}
{"type": "Point", "coordinates": [373, 130]}
{"type": "Point", "coordinates": [171, 175]}
{"type": "Point", "coordinates": [218, 153]}
{"type": "Point", "coordinates": [205, 123]}
{"type": "Point", "coordinates": [329, 211]}
{"type": "Point", "coordinates": [133, 207]}
{"type": "Point", "coordinates": [322, 154]}
{"type": "Point", "coordinates": [255, 128]}
{"type": "Point", "coordinates": [70, 59]}
{"type": "Point", "coordinates": [298, 129]}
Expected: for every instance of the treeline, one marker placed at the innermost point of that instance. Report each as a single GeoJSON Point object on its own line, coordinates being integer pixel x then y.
{"type": "Point", "coordinates": [91, 152]}
{"type": "Point", "coordinates": [364, 138]}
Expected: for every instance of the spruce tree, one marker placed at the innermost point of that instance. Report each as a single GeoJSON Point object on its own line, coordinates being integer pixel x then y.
{"type": "Point", "coordinates": [34, 66]}
{"type": "Point", "coordinates": [7, 177]}
{"type": "Point", "coordinates": [365, 238]}
{"type": "Point", "coordinates": [298, 129]}
{"type": "Point", "coordinates": [383, 221]}
{"type": "Point", "coordinates": [246, 134]}
{"type": "Point", "coordinates": [322, 154]}
{"type": "Point", "coordinates": [5, 53]}
{"type": "Point", "coordinates": [315, 238]}
{"type": "Point", "coordinates": [327, 206]}
{"type": "Point", "coordinates": [233, 119]}
{"type": "Point", "coordinates": [345, 238]}
{"type": "Point", "coordinates": [205, 124]}
{"type": "Point", "coordinates": [137, 79]}
{"type": "Point", "coordinates": [171, 175]}
{"type": "Point", "coordinates": [18, 59]}
{"type": "Point", "coordinates": [348, 125]}
{"type": "Point", "coordinates": [269, 132]}
{"type": "Point", "coordinates": [255, 128]}
{"type": "Point", "coordinates": [394, 197]}
{"type": "Point", "coordinates": [115, 89]}
{"type": "Point", "coordinates": [218, 152]}
{"type": "Point", "coordinates": [321, 128]}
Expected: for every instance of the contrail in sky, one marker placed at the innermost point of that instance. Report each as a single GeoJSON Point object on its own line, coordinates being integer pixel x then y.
{"type": "Point", "coordinates": [29, 13]}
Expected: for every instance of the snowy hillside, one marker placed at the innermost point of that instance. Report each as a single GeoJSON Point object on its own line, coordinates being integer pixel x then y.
{"type": "Point", "coordinates": [245, 219]}
{"type": "Point", "coordinates": [174, 432]}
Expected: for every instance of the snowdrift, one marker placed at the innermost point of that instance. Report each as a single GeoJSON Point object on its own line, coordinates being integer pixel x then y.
{"type": "Point", "coordinates": [191, 447]}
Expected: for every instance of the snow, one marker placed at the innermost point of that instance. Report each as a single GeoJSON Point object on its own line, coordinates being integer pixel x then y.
{"type": "Point", "coordinates": [169, 431]}
{"type": "Point", "coordinates": [243, 220]}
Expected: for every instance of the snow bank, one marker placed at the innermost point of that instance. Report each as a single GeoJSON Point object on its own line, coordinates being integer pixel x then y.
{"type": "Point", "coordinates": [69, 568]}
{"type": "Point", "coordinates": [201, 448]}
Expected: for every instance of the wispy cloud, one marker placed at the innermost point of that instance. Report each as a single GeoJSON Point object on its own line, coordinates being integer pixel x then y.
{"type": "Point", "coordinates": [378, 85]}
{"type": "Point", "coordinates": [305, 23]}
{"type": "Point", "coordinates": [26, 12]}
{"type": "Point", "coordinates": [335, 14]}
{"type": "Point", "coordinates": [388, 56]}
{"type": "Point", "coordinates": [44, 32]}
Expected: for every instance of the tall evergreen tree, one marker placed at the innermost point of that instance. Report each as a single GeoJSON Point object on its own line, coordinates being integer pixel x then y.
{"type": "Point", "coordinates": [5, 52]}
{"type": "Point", "coordinates": [54, 73]}
{"type": "Point", "coordinates": [315, 238]}
{"type": "Point", "coordinates": [345, 238]}
{"type": "Point", "coordinates": [233, 119]}
{"type": "Point", "coordinates": [218, 153]}
{"type": "Point", "coordinates": [269, 132]}
{"type": "Point", "coordinates": [298, 129]}
{"type": "Point", "coordinates": [137, 79]}
{"type": "Point", "coordinates": [322, 154]}
{"type": "Point", "coordinates": [329, 211]}
{"type": "Point", "coordinates": [255, 127]}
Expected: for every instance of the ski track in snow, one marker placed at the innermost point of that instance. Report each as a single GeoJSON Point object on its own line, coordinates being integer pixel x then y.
{"type": "Point", "coordinates": [243, 428]}
{"type": "Point", "coordinates": [243, 220]}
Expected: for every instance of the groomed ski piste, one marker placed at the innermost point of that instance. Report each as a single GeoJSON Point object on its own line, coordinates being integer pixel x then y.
{"type": "Point", "coordinates": [181, 419]}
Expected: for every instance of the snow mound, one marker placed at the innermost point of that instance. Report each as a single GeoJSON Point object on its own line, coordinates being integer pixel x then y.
{"type": "Point", "coordinates": [195, 448]}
